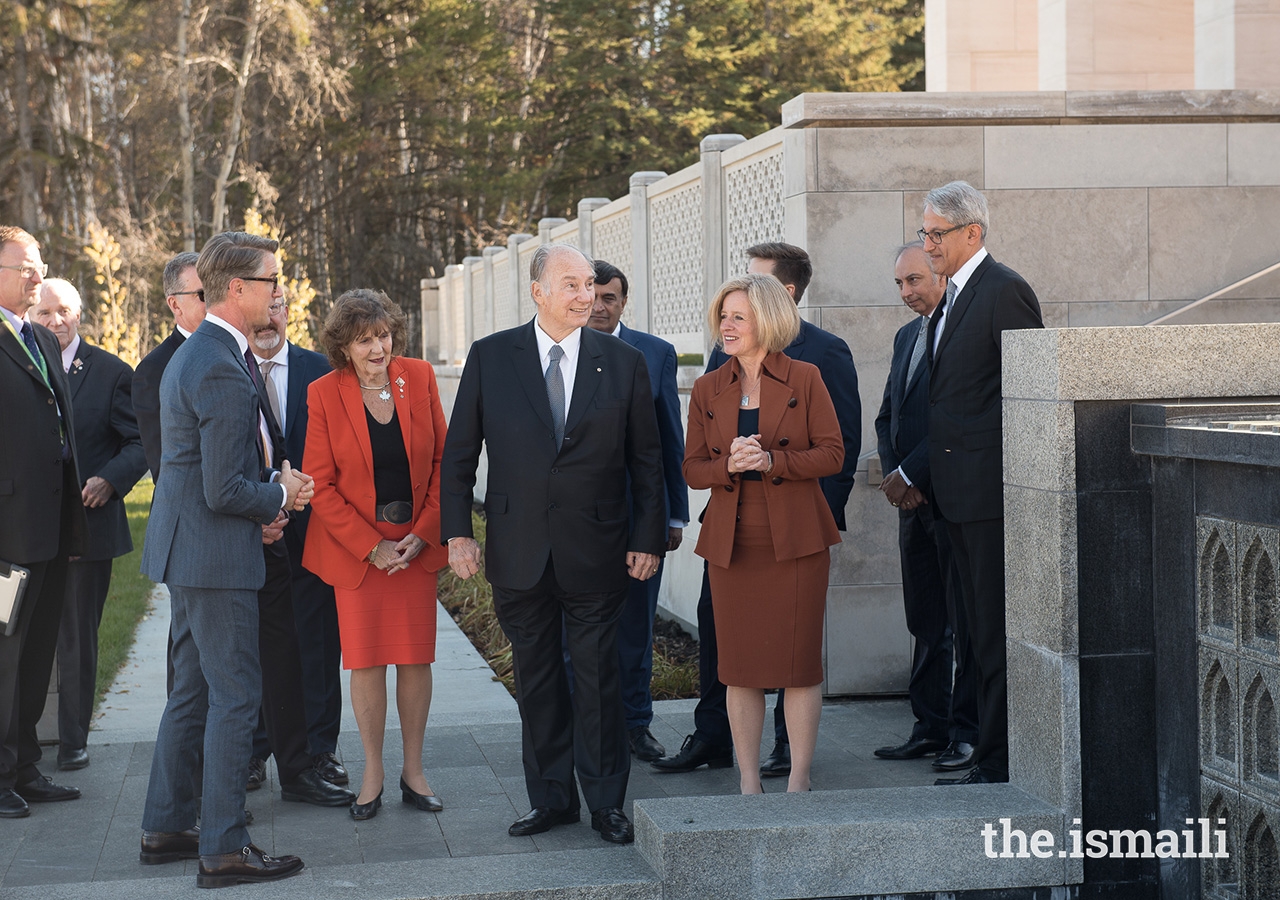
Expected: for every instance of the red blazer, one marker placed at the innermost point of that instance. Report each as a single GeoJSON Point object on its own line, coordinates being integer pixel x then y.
{"type": "Point", "coordinates": [339, 457]}
{"type": "Point", "coordinates": [798, 425]}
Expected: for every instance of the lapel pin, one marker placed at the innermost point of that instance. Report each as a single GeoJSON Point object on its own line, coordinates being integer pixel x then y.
{"type": "Point", "coordinates": [400, 384]}
{"type": "Point", "coordinates": [598, 369]}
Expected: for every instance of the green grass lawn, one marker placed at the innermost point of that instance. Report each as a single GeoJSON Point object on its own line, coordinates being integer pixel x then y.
{"type": "Point", "coordinates": [127, 599]}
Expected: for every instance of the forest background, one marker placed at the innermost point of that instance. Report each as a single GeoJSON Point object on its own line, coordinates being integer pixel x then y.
{"type": "Point", "coordinates": [380, 140]}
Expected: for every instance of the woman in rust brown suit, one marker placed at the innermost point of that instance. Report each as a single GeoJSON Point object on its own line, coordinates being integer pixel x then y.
{"type": "Point", "coordinates": [762, 430]}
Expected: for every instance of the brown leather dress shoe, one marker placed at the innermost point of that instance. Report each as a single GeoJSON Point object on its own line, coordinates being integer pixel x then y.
{"type": "Point", "coordinates": [244, 866]}
{"type": "Point", "coordinates": [169, 846]}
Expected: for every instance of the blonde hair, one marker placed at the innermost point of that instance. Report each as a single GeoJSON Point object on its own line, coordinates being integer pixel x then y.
{"type": "Point", "coordinates": [777, 320]}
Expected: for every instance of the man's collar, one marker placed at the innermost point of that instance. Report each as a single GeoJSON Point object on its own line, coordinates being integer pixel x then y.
{"type": "Point", "coordinates": [241, 341]}
{"type": "Point", "coordinates": [13, 317]}
{"type": "Point", "coordinates": [69, 355]}
{"type": "Point", "coordinates": [961, 278]}
{"type": "Point", "coordinates": [280, 357]}
{"type": "Point", "coordinates": [617, 329]}
{"type": "Point", "coordinates": [569, 343]}
{"type": "Point", "coordinates": [181, 330]}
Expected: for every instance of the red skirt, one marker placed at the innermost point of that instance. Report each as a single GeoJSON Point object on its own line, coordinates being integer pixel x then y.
{"type": "Point", "coordinates": [389, 619]}
{"type": "Point", "coordinates": [768, 614]}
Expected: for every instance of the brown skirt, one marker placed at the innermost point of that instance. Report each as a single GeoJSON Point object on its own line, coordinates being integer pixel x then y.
{"type": "Point", "coordinates": [768, 614]}
{"type": "Point", "coordinates": [389, 619]}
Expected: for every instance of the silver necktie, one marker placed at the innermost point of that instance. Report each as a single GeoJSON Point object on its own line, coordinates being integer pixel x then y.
{"type": "Point", "coordinates": [555, 392]}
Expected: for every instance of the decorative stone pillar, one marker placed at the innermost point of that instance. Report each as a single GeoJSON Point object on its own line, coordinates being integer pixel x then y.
{"type": "Point", "coordinates": [490, 310]}
{"type": "Point", "coordinates": [714, 262]}
{"type": "Point", "coordinates": [468, 300]}
{"type": "Point", "coordinates": [432, 327]}
{"type": "Point", "coordinates": [546, 226]}
{"type": "Point", "coordinates": [513, 270]}
{"type": "Point", "coordinates": [586, 232]}
{"type": "Point", "coordinates": [638, 300]}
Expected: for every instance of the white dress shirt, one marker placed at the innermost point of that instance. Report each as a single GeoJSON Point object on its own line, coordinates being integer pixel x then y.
{"type": "Point", "coordinates": [959, 280]}
{"type": "Point", "coordinates": [69, 355]}
{"type": "Point", "coordinates": [279, 380]}
{"type": "Point", "coordinates": [570, 344]}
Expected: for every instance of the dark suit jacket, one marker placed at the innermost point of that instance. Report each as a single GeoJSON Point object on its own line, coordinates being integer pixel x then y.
{"type": "Point", "coordinates": [205, 525]}
{"type": "Point", "coordinates": [965, 427]}
{"type": "Point", "coordinates": [568, 504]}
{"type": "Point", "coordinates": [340, 458]}
{"type": "Point", "coordinates": [39, 499]}
{"type": "Point", "coordinates": [108, 443]}
{"type": "Point", "coordinates": [660, 358]}
{"type": "Point", "coordinates": [798, 426]}
{"type": "Point", "coordinates": [902, 426]}
{"type": "Point", "coordinates": [832, 357]}
{"type": "Point", "coordinates": [305, 366]}
{"type": "Point", "coordinates": [146, 398]}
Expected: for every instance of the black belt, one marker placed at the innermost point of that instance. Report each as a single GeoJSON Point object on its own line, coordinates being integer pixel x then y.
{"type": "Point", "coordinates": [398, 512]}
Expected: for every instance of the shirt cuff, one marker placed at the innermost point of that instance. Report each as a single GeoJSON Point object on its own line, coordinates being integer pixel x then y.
{"type": "Point", "coordinates": [284, 498]}
{"type": "Point", "coordinates": [904, 476]}
{"type": "Point", "coordinates": [677, 523]}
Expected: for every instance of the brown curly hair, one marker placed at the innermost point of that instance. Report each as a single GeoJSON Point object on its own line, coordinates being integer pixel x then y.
{"type": "Point", "coordinates": [356, 313]}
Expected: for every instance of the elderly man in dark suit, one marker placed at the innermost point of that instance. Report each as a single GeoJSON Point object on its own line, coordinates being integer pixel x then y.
{"type": "Point", "coordinates": [566, 416]}
{"type": "Point", "coordinates": [204, 541]}
{"type": "Point", "coordinates": [298, 618]}
{"type": "Point", "coordinates": [946, 719]}
{"type": "Point", "coordinates": [983, 300]}
{"type": "Point", "coordinates": [183, 294]}
{"type": "Point", "coordinates": [111, 462]}
{"type": "Point", "coordinates": [711, 744]}
{"type": "Point", "coordinates": [37, 462]}
{"type": "Point", "coordinates": [635, 627]}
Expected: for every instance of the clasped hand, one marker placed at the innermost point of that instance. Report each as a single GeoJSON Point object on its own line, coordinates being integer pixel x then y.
{"type": "Point", "coordinates": [901, 494]}
{"type": "Point", "coordinates": [299, 487]}
{"type": "Point", "coordinates": [395, 556]}
{"type": "Point", "coordinates": [746, 455]}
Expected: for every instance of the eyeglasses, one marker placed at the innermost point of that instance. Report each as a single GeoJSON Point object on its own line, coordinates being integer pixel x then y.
{"type": "Point", "coordinates": [935, 237]}
{"type": "Point", "coordinates": [30, 271]}
{"type": "Point", "coordinates": [275, 308]}
{"type": "Point", "coordinates": [199, 294]}
{"type": "Point", "coordinates": [274, 280]}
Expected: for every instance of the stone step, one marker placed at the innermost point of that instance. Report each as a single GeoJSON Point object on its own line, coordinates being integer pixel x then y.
{"type": "Point", "coordinates": [607, 873]}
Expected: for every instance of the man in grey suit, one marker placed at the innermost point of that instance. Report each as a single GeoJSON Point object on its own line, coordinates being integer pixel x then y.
{"type": "Point", "coordinates": [204, 540]}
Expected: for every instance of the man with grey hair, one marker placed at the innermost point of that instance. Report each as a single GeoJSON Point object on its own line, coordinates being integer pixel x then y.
{"type": "Point", "coordinates": [204, 540]}
{"type": "Point", "coordinates": [185, 299]}
{"type": "Point", "coordinates": [567, 418]}
{"type": "Point", "coordinates": [111, 462]}
{"type": "Point", "coordinates": [983, 300]}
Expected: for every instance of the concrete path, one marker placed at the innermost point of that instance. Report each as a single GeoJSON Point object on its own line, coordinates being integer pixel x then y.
{"type": "Point", "coordinates": [89, 848]}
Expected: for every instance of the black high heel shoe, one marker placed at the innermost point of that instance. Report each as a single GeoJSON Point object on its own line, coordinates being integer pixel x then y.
{"type": "Point", "coordinates": [363, 811]}
{"type": "Point", "coordinates": [424, 802]}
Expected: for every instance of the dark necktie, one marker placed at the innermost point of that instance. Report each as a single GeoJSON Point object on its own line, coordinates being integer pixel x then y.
{"type": "Point", "coordinates": [29, 338]}
{"type": "Point", "coordinates": [555, 392]}
{"type": "Point", "coordinates": [264, 409]}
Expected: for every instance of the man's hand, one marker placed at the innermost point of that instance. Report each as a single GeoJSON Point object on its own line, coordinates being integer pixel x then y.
{"type": "Point", "coordinates": [406, 549]}
{"type": "Point", "coordinates": [299, 487]}
{"type": "Point", "coordinates": [275, 531]}
{"type": "Point", "coordinates": [895, 487]}
{"type": "Point", "coordinates": [641, 566]}
{"type": "Point", "coordinates": [96, 492]}
{"type": "Point", "coordinates": [464, 557]}
{"type": "Point", "coordinates": [674, 537]}
{"type": "Point", "coordinates": [913, 498]}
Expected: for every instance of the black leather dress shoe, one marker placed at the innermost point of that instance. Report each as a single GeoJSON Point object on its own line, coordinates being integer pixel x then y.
{"type": "Point", "coordinates": [257, 774]}
{"type": "Point", "coordinates": [778, 762]}
{"type": "Point", "coordinates": [73, 759]}
{"type": "Point", "coordinates": [424, 802]}
{"type": "Point", "coordinates": [309, 787]}
{"type": "Point", "coordinates": [613, 825]}
{"type": "Point", "coordinates": [43, 790]}
{"type": "Point", "coordinates": [912, 749]}
{"type": "Point", "coordinates": [973, 776]}
{"type": "Point", "coordinates": [644, 746]}
{"type": "Point", "coordinates": [169, 846]}
{"type": "Point", "coordinates": [12, 806]}
{"type": "Point", "coordinates": [330, 769]}
{"type": "Point", "coordinates": [958, 755]}
{"type": "Point", "coordinates": [542, 818]}
{"type": "Point", "coordinates": [244, 866]}
{"type": "Point", "coordinates": [362, 812]}
{"type": "Point", "coordinates": [694, 753]}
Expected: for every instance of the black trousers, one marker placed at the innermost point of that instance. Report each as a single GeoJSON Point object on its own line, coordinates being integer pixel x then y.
{"type": "Point", "coordinates": [283, 706]}
{"type": "Point", "coordinates": [711, 715]}
{"type": "Point", "coordinates": [26, 661]}
{"type": "Point", "coordinates": [561, 734]}
{"type": "Point", "coordinates": [936, 619]}
{"type": "Point", "coordinates": [86, 594]}
{"type": "Point", "coordinates": [979, 553]}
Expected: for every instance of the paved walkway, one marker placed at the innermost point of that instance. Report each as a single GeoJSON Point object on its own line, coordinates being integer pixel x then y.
{"type": "Point", "coordinates": [89, 848]}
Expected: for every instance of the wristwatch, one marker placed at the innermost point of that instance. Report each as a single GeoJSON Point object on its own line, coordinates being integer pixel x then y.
{"type": "Point", "coordinates": [373, 554]}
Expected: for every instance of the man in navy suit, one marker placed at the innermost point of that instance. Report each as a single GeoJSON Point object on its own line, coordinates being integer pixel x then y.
{"type": "Point", "coordinates": [184, 295]}
{"type": "Point", "coordinates": [983, 300]}
{"type": "Point", "coordinates": [635, 627]}
{"type": "Point", "coordinates": [946, 719]}
{"type": "Point", "coordinates": [287, 370]}
{"type": "Point", "coordinates": [711, 744]}
{"type": "Point", "coordinates": [111, 462]}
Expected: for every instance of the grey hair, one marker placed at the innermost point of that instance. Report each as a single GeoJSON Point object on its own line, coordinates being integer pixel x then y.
{"type": "Point", "coordinates": [542, 256]}
{"type": "Point", "coordinates": [909, 245]}
{"type": "Point", "coordinates": [230, 255]}
{"type": "Point", "coordinates": [960, 203]}
{"type": "Point", "coordinates": [174, 268]}
{"type": "Point", "coordinates": [63, 288]}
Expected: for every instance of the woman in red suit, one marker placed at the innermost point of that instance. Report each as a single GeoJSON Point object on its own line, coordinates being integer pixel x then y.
{"type": "Point", "coordinates": [374, 441]}
{"type": "Point", "coordinates": [762, 431]}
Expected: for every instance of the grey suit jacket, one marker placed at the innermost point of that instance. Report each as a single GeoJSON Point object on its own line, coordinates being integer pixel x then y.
{"type": "Point", "coordinates": [204, 527]}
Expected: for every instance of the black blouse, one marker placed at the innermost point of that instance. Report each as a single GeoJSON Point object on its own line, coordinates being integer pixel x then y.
{"type": "Point", "coordinates": [749, 424]}
{"type": "Point", "coordinates": [391, 479]}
